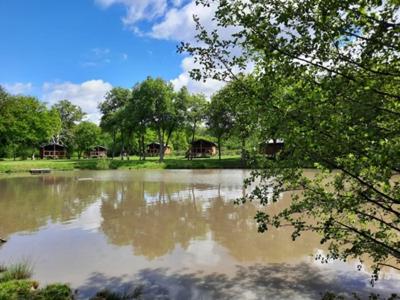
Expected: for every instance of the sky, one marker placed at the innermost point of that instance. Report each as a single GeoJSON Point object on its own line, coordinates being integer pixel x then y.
{"type": "Point", "coordinates": [79, 49]}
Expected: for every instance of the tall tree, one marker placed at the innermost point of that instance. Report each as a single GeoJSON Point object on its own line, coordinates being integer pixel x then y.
{"type": "Point", "coordinates": [86, 135]}
{"type": "Point", "coordinates": [112, 116]}
{"type": "Point", "coordinates": [329, 74]}
{"type": "Point", "coordinates": [26, 122]}
{"type": "Point", "coordinates": [70, 115]}
{"type": "Point", "coordinates": [196, 113]}
{"type": "Point", "coordinates": [157, 98]}
{"type": "Point", "coordinates": [219, 119]}
{"type": "Point", "coordinates": [240, 100]}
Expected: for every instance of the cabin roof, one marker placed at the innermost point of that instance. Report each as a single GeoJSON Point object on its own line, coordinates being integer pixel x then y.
{"type": "Point", "coordinates": [204, 142]}
{"type": "Point", "coordinates": [156, 144]}
{"type": "Point", "coordinates": [51, 145]}
{"type": "Point", "coordinates": [99, 147]}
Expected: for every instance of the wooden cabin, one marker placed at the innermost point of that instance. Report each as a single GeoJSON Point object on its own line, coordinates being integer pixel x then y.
{"type": "Point", "coordinates": [153, 149]}
{"type": "Point", "coordinates": [202, 148]}
{"type": "Point", "coordinates": [53, 151]}
{"type": "Point", "coordinates": [97, 152]}
{"type": "Point", "coordinates": [271, 147]}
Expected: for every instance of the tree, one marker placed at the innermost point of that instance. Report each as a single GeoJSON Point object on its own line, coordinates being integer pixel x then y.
{"type": "Point", "coordinates": [86, 136]}
{"type": "Point", "coordinates": [243, 107]}
{"type": "Point", "coordinates": [70, 115]}
{"type": "Point", "coordinates": [329, 76]}
{"type": "Point", "coordinates": [156, 99]}
{"type": "Point", "coordinates": [25, 123]}
{"type": "Point", "coordinates": [111, 120]}
{"type": "Point", "coordinates": [196, 113]}
{"type": "Point", "coordinates": [219, 119]}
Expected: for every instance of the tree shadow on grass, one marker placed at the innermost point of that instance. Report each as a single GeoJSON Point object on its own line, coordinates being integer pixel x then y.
{"type": "Point", "coordinates": [274, 281]}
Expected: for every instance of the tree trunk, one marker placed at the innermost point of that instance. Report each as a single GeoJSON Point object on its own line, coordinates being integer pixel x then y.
{"type": "Point", "coordinates": [122, 146]}
{"type": "Point", "coordinates": [143, 148]}
{"type": "Point", "coordinates": [113, 146]}
{"type": "Point", "coordinates": [243, 154]}
{"type": "Point", "coordinates": [219, 148]}
{"type": "Point", "coordinates": [161, 141]}
{"type": "Point", "coordinates": [193, 132]}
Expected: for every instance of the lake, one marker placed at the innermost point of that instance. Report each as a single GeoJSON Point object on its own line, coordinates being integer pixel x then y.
{"type": "Point", "coordinates": [174, 233]}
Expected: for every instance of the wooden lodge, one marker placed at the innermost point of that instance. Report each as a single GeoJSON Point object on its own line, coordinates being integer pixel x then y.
{"type": "Point", "coordinates": [271, 147]}
{"type": "Point", "coordinates": [153, 149]}
{"type": "Point", "coordinates": [202, 148]}
{"type": "Point", "coordinates": [53, 151]}
{"type": "Point", "coordinates": [97, 152]}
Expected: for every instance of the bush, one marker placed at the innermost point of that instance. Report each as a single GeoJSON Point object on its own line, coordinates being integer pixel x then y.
{"type": "Point", "coordinates": [55, 292]}
{"type": "Point", "coordinates": [103, 164]}
{"type": "Point", "coordinates": [17, 289]}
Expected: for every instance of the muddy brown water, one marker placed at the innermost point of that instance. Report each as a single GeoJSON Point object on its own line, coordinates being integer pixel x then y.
{"type": "Point", "coordinates": [175, 234]}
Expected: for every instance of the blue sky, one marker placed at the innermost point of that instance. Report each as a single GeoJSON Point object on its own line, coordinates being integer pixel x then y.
{"type": "Point", "coordinates": [79, 49]}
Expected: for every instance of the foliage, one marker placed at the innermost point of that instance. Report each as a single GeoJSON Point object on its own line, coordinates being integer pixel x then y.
{"type": "Point", "coordinates": [25, 122]}
{"type": "Point", "coordinates": [17, 289]}
{"type": "Point", "coordinates": [196, 113]}
{"type": "Point", "coordinates": [102, 164]}
{"type": "Point", "coordinates": [327, 76]}
{"type": "Point", "coordinates": [86, 136]}
{"type": "Point", "coordinates": [15, 284]}
{"type": "Point", "coordinates": [219, 118]}
{"type": "Point", "coordinates": [70, 115]}
{"type": "Point", "coordinates": [109, 295]}
{"type": "Point", "coordinates": [54, 292]}
{"type": "Point", "coordinates": [111, 113]}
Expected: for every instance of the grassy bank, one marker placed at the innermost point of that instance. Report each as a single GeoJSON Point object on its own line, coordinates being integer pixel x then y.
{"type": "Point", "coordinates": [227, 162]}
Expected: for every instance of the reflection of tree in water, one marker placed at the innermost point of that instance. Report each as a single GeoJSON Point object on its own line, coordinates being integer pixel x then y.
{"type": "Point", "coordinates": [150, 217]}
{"type": "Point", "coordinates": [234, 228]}
{"type": "Point", "coordinates": [153, 227]}
{"type": "Point", "coordinates": [29, 203]}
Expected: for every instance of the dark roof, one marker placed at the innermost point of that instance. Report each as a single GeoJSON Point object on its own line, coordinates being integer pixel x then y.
{"type": "Point", "coordinates": [156, 144]}
{"type": "Point", "coordinates": [98, 147]}
{"type": "Point", "coordinates": [204, 143]}
{"type": "Point", "coordinates": [52, 145]}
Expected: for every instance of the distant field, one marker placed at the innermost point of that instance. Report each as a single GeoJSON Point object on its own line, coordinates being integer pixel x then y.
{"type": "Point", "coordinates": [227, 162]}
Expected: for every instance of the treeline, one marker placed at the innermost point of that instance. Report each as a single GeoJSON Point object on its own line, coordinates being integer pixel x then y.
{"type": "Point", "coordinates": [153, 111]}
{"type": "Point", "coordinates": [26, 123]}
{"type": "Point", "coordinates": [131, 118]}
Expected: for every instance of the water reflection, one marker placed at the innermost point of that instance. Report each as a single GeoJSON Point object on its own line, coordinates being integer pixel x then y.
{"type": "Point", "coordinates": [26, 204]}
{"type": "Point", "coordinates": [172, 229]}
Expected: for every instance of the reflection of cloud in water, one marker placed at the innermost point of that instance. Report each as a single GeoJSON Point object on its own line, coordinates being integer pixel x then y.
{"type": "Point", "coordinates": [90, 219]}
{"type": "Point", "coordinates": [203, 252]}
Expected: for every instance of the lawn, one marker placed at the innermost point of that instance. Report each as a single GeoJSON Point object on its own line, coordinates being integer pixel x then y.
{"type": "Point", "coordinates": [170, 162]}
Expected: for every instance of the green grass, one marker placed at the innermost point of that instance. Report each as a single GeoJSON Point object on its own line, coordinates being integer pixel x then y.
{"type": "Point", "coordinates": [16, 285]}
{"type": "Point", "coordinates": [170, 162]}
{"type": "Point", "coordinates": [16, 271]}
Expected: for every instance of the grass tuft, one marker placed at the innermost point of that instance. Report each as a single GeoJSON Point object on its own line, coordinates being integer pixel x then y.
{"type": "Point", "coordinates": [16, 271]}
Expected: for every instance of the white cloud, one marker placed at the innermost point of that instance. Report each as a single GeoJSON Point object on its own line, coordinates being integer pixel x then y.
{"type": "Point", "coordinates": [18, 88]}
{"type": "Point", "coordinates": [207, 88]}
{"type": "Point", "coordinates": [173, 20]}
{"type": "Point", "coordinates": [178, 23]}
{"type": "Point", "coordinates": [87, 95]}
{"type": "Point", "coordinates": [138, 10]}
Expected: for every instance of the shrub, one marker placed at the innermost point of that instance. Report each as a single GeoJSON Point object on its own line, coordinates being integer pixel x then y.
{"type": "Point", "coordinates": [103, 164]}
{"type": "Point", "coordinates": [17, 289]}
{"type": "Point", "coordinates": [54, 292]}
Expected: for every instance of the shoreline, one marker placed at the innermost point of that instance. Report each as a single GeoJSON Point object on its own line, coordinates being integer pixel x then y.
{"type": "Point", "coordinates": [22, 166]}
